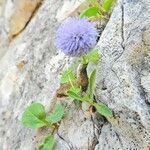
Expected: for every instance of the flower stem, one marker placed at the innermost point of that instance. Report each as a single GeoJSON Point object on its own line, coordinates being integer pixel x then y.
{"type": "Point", "coordinates": [70, 82]}
{"type": "Point", "coordinates": [70, 79]}
{"type": "Point", "coordinates": [83, 60]}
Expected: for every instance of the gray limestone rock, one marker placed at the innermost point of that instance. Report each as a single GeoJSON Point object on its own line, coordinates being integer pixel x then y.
{"type": "Point", "coordinates": [123, 80]}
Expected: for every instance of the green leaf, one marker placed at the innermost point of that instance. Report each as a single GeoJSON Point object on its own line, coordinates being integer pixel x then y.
{"type": "Point", "coordinates": [34, 116]}
{"type": "Point", "coordinates": [48, 143]}
{"type": "Point", "coordinates": [92, 84]}
{"type": "Point", "coordinates": [57, 114]}
{"type": "Point", "coordinates": [68, 76]}
{"type": "Point", "coordinates": [93, 56]}
{"type": "Point", "coordinates": [73, 95]}
{"type": "Point", "coordinates": [93, 2]}
{"type": "Point", "coordinates": [103, 109]}
{"type": "Point", "coordinates": [91, 11]}
{"type": "Point", "coordinates": [86, 99]}
{"type": "Point", "coordinates": [107, 4]}
{"type": "Point", "coordinates": [76, 90]}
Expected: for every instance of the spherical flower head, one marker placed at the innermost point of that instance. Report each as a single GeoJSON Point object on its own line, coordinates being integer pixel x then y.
{"type": "Point", "coordinates": [76, 36]}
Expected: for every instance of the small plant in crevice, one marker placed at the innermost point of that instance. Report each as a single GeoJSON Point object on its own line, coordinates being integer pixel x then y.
{"type": "Point", "coordinates": [35, 117]}
{"type": "Point", "coordinates": [82, 86]}
{"type": "Point", "coordinates": [88, 97]}
{"type": "Point", "coordinates": [97, 10]}
{"type": "Point", "coordinates": [76, 37]}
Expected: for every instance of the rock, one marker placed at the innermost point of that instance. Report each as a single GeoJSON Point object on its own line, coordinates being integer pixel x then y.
{"type": "Point", "coordinates": [3, 38]}
{"type": "Point", "coordinates": [124, 72]}
{"type": "Point", "coordinates": [1, 6]}
{"type": "Point", "coordinates": [31, 68]}
{"type": "Point", "coordinates": [145, 84]}
{"type": "Point", "coordinates": [5, 13]}
{"type": "Point", "coordinates": [76, 7]}
{"type": "Point", "coordinates": [23, 12]}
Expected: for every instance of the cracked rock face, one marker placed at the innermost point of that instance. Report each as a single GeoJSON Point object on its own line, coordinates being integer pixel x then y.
{"type": "Point", "coordinates": [31, 67]}
{"type": "Point", "coordinates": [123, 81]}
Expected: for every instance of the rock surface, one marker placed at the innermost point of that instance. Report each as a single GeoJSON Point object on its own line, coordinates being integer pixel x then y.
{"type": "Point", "coordinates": [31, 67]}
{"type": "Point", "coordinates": [123, 81]}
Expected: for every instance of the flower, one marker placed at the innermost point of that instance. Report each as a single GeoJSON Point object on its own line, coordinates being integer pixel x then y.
{"type": "Point", "coordinates": [76, 36]}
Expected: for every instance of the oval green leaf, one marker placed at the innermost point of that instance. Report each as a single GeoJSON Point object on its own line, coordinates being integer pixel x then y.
{"type": "Point", "coordinates": [73, 95]}
{"type": "Point", "coordinates": [107, 4]}
{"type": "Point", "coordinates": [103, 109]}
{"type": "Point", "coordinates": [93, 56]}
{"type": "Point", "coordinates": [69, 74]}
{"type": "Point", "coordinates": [76, 90]}
{"type": "Point", "coordinates": [57, 114]}
{"type": "Point", "coordinates": [34, 116]}
{"type": "Point", "coordinates": [92, 84]}
{"type": "Point", "coordinates": [91, 11]}
{"type": "Point", "coordinates": [48, 143]}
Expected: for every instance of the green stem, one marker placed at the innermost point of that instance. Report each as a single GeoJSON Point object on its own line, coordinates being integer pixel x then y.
{"type": "Point", "coordinates": [53, 131]}
{"type": "Point", "coordinates": [70, 79]}
{"type": "Point", "coordinates": [83, 60]}
{"type": "Point", "coordinates": [71, 82]}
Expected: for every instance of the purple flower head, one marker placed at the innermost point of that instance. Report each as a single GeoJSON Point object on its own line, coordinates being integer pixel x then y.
{"type": "Point", "coordinates": [76, 37]}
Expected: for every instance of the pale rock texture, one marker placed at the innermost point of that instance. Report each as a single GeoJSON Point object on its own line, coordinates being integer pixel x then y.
{"type": "Point", "coordinates": [22, 14]}
{"type": "Point", "coordinates": [1, 6]}
{"type": "Point", "coordinates": [31, 68]}
{"type": "Point", "coordinates": [70, 8]}
{"type": "Point", "coordinates": [123, 81]}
